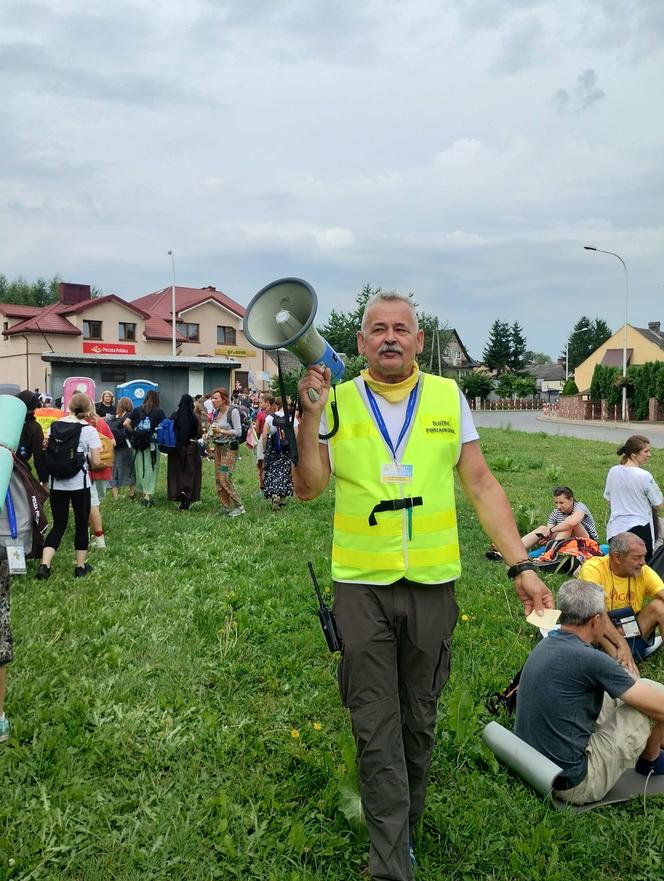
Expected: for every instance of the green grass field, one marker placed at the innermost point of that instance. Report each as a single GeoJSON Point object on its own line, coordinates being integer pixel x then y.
{"type": "Point", "coordinates": [175, 715]}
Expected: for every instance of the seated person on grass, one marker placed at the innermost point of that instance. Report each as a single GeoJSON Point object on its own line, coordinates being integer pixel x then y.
{"type": "Point", "coordinates": [568, 519]}
{"type": "Point", "coordinates": [628, 584]}
{"type": "Point", "coordinates": [582, 710]}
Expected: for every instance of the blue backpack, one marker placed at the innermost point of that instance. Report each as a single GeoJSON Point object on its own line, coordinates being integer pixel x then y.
{"type": "Point", "coordinates": [166, 436]}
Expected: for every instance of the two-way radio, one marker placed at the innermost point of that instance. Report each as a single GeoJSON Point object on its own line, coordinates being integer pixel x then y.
{"type": "Point", "coordinates": [326, 617]}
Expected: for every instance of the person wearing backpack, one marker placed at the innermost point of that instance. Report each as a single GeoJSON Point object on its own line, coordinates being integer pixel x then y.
{"type": "Point", "coordinates": [183, 478]}
{"type": "Point", "coordinates": [123, 464]}
{"type": "Point", "coordinates": [226, 431]}
{"type": "Point", "coordinates": [144, 421]}
{"type": "Point", "coordinates": [73, 447]}
{"type": "Point", "coordinates": [100, 478]}
{"type": "Point", "coordinates": [277, 476]}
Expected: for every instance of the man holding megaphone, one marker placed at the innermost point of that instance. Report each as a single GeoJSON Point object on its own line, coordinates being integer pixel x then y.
{"type": "Point", "coordinates": [395, 555]}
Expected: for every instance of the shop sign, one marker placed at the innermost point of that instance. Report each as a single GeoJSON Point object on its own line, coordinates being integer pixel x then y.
{"type": "Point", "coordinates": [234, 352]}
{"type": "Point", "coordinates": [109, 348]}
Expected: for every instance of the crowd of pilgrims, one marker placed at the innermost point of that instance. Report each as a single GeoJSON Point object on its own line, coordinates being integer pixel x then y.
{"type": "Point", "coordinates": [120, 453]}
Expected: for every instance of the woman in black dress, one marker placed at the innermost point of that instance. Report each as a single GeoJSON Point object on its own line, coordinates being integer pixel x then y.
{"type": "Point", "coordinates": [184, 464]}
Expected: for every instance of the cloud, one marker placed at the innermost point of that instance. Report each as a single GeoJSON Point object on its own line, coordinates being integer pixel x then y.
{"type": "Point", "coordinates": [583, 95]}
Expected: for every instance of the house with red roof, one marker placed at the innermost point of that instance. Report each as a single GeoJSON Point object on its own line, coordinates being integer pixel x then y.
{"type": "Point", "coordinates": [114, 340]}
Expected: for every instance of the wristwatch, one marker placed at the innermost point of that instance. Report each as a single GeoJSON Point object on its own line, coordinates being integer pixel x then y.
{"type": "Point", "coordinates": [521, 566]}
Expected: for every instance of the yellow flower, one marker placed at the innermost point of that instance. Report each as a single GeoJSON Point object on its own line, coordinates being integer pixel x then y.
{"type": "Point", "coordinates": [464, 618]}
{"type": "Point", "coordinates": [294, 733]}
{"type": "Point", "coordinates": [327, 590]}
{"type": "Point", "coordinates": [318, 726]}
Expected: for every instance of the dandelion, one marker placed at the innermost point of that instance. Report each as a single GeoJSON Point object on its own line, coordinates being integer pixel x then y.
{"type": "Point", "coordinates": [465, 618]}
{"type": "Point", "coordinates": [327, 590]}
{"type": "Point", "coordinates": [318, 726]}
{"type": "Point", "coordinates": [295, 734]}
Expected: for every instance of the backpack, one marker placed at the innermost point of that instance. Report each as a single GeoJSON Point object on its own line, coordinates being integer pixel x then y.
{"type": "Point", "coordinates": [245, 422]}
{"type": "Point", "coordinates": [279, 439]}
{"type": "Point", "coordinates": [118, 431]}
{"type": "Point", "coordinates": [142, 437]}
{"type": "Point", "coordinates": [563, 556]}
{"type": "Point", "coordinates": [29, 498]}
{"type": "Point", "coordinates": [107, 453]}
{"type": "Point", "coordinates": [63, 459]}
{"type": "Point", "coordinates": [166, 436]}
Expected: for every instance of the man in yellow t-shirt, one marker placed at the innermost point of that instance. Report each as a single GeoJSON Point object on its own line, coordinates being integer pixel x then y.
{"type": "Point", "coordinates": [628, 583]}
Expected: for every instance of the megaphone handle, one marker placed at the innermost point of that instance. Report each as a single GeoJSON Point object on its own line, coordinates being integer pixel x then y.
{"type": "Point", "coordinates": [313, 395]}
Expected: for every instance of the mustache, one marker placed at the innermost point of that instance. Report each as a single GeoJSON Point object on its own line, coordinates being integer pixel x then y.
{"type": "Point", "coordinates": [390, 347]}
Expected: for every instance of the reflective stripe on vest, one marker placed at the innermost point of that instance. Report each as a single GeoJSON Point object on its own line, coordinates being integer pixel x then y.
{"type": "Point", "coordinates": [384, 553]}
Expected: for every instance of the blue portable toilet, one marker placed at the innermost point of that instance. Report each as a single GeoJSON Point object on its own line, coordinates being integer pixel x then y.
{"type": "Point", "coordinates": [136, 390]}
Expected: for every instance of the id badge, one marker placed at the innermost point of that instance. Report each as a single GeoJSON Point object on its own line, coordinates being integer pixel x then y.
{"type": "Point", "coordinates": [16, 557]}
{"type": "Point", "coordinates": [393, 473]}
{"type": "Point", "coordinates": [629, 626]}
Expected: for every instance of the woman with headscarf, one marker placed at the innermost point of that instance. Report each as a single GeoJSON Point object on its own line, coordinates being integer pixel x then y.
{"type": "Point", "coordinates": [31, 443]}
{"type": "Point", "coordinates": [184, 463]}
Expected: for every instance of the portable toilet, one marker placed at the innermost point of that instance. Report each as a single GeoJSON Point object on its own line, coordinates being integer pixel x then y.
{"type": "Point", "coordinates": [136, 390]}
{"type": "Point", "coordinates": [74, 384]}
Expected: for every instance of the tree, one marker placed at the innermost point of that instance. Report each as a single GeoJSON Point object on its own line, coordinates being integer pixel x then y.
{"type": "Point", "coordinates": [517, 359]}
{"type": "Point", "coordinates": [585, 337]}
{"type": "Point", "coordinates": [477, 385]}
{"type": "Point", "coordinates": [25, 293]}
{"type": "Point", "coordinates": [570, 388]}
{"type": "Point", "coordinates": [536, 357]}
{"type": "Point", "coordinates": [498, 350]}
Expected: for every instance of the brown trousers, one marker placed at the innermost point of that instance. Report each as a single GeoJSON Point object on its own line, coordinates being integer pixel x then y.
{"type": "Point", "coordinates": [394, 664]}
{"type": "Point", "coordinates": [224, 464]}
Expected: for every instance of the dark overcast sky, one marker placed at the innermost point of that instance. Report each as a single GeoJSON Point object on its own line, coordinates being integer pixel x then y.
{"type": "Point", "coordinates": [465, 151]}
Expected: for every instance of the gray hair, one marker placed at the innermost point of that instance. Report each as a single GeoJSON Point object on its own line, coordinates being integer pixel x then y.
{"type": "Point", "coordinates": [579, 601]}
{"type": "Point", "coordinates": [621, 543]}
{"type": "Point", "coordinates": [387, 297]}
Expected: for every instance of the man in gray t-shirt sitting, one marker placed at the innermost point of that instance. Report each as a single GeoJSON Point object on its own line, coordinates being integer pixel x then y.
{"type": "Point", "coordinates": [581, 709]}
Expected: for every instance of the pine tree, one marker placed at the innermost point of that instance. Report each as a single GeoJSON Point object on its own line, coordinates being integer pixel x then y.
{"type": "Point", "coordinates": [585, 337]}
{"type": "Point", "coordinates": [498, 349]}
{"type": "Point", "coordinates": [518, 348]}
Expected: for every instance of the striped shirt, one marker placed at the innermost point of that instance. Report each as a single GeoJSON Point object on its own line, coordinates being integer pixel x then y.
{"type": "Point", "coordinates": [588, 523]}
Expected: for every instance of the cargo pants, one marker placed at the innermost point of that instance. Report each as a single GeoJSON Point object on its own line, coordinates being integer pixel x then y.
{"type": "Point", "coordinates": [394, 664]}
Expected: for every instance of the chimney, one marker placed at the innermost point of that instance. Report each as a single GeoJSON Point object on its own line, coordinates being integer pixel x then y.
{"type": "Point", "coordinates": [209, 287]}
{"type": "Point", "coordinates": [655, 326]}
{"type": "Point", "coordinates": [73, 293]}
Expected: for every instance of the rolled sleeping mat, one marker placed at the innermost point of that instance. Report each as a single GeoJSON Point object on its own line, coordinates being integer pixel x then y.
{"type": "Point", "coordinates": [12, 417]}
{"type": "Point", "coordinates": [534, 768]}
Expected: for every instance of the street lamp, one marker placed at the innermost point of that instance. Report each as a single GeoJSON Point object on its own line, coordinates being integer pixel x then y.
{"type": "Point", "coordinates": [173, 320]}
{"type": "Point", "coordinates": [573, 333]}
{"type": "Point", "coordinates": [624, 368]}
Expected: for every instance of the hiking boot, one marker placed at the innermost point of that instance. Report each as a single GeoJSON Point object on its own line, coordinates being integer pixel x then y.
{"type": "Point", "coordinates": [98, 542]}
{"type": "Point", "coordinates": [237, 512]}
{"type": "Point", "coordinates": [80, 571]}
{"type": "Point", "coordinates": [43, 572]}
{"type": "Point", "coordinates": [5, 728]}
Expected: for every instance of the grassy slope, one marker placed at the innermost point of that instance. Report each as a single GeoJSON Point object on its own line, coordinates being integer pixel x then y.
{"type": "Point", "coordinates": [166, 710]}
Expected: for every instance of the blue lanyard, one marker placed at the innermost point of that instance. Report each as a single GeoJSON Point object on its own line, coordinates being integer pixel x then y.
{"type": "Point", "coordinates": [380, 422]}
{"type": "Point", "coordinates": [11, 515]}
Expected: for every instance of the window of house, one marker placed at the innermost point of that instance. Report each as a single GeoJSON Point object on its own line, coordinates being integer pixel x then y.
{"type": "Point", "coordinates": [92, 330]}
{"type": "Point", "coordinates": [5, 325]}
{"type": "Point", "coordinates": [225, 336]}
{"type": "Point", "coordinates": [190, 331]}
{"type": "Point", "coordinates": [127, 330]}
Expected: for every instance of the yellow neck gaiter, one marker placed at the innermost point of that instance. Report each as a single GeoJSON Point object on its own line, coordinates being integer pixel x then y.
{"type": "Point", "coordinates": [392, 392]}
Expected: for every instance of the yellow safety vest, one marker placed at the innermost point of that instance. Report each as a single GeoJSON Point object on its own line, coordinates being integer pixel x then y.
{"type": "Point", "coordinates": [419, 542]}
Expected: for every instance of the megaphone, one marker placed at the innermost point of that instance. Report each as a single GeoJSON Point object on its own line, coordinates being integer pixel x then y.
{"type": "Point", "coordinates": [281, 316]}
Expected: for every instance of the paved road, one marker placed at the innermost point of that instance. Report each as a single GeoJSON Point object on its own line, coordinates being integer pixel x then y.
{"type": "Point", "coordinates": [532, 421]}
